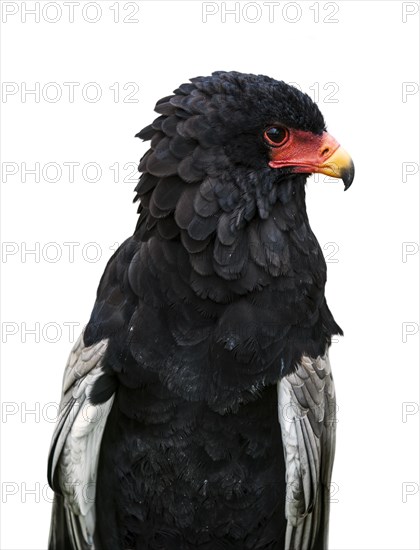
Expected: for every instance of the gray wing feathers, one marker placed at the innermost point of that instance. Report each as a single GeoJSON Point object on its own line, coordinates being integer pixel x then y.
{"type": "Point", "coordinates": [306, 401]}
{"type": "Point", "coordinates": [76, 442]}
{"type": "Point", "coordinates": [80, 362]}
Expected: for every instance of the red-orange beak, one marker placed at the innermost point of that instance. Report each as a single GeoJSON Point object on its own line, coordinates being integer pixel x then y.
{"type": "Point", "coordinates": [305, 152]}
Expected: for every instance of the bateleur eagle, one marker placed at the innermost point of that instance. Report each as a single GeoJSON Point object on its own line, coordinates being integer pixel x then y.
{"type": "Point", "coordinates": [198, 405]}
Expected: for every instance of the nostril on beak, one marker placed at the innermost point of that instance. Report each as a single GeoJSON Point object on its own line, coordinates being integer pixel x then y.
{"type": "Point", "coordinates": [325, 151]}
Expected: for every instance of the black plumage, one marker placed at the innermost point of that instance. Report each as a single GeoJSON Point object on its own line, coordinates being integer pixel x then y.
{"type": "Point", "coordinates": [216, 297]}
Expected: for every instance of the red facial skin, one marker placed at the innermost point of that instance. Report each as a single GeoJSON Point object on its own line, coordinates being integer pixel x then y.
{"type": "Point", "coordinates": [304, 151]}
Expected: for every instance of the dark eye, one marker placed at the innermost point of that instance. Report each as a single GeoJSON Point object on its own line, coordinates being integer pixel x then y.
{"type": "Point", "coordinates": [275, 135]}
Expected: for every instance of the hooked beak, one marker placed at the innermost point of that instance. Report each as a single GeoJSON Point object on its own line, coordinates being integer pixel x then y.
{"type": "Point", "coordinates": [308, 153]}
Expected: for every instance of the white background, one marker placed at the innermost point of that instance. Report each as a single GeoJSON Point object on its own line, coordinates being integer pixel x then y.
{"type": "Point", "coordinates": [365, 57]}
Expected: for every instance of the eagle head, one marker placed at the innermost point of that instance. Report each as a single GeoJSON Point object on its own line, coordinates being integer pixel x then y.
{"type": "Point", "coordinates": [228, 152]}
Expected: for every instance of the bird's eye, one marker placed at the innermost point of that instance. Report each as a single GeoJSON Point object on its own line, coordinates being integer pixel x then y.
{"type": "Point", "coordinates": [275, 135]}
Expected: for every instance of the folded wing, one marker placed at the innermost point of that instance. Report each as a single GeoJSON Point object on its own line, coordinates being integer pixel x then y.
{"type": "Point", "coordinates": [74, 452]}
{"type": "Point", "coordinates": [307, 416]}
